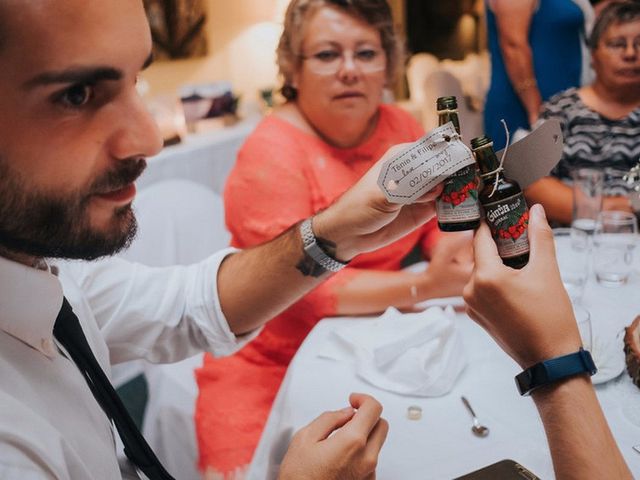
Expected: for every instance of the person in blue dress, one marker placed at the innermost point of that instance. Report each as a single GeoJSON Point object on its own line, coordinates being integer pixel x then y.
{"type": "Point", "coordinates": [536, 51]}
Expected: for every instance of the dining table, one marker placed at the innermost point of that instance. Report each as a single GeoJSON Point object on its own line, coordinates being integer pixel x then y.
{"type": "Point", "coordinates": [439, 443]}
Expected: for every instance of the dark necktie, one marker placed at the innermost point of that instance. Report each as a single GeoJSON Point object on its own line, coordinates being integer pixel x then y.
{"type": "Point", "coordinates": [69, 333]}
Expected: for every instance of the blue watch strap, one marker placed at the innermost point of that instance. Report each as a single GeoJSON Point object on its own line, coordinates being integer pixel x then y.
{"type": "Point", "coordinates": [555, 369]}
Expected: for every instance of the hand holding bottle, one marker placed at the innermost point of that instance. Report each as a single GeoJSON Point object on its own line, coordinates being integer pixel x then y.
{"type": "Point", "coordinates": [527, 311]}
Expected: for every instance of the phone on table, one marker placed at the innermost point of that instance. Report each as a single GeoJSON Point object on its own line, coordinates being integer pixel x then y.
{"type": "Point", "coordinates": [502, 470]}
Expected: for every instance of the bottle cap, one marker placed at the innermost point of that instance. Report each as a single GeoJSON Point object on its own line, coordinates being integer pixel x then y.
{"type": "Point", "coordinates": [479, 142]}
{"type": "Point", "coordinates": [446, 103]}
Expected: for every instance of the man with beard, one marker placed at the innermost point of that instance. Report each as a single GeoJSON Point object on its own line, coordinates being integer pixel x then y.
{"type": "Point", "coordinates": [74, 136]}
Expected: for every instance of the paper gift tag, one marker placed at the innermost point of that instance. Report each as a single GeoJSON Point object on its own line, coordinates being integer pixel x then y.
{"type": "Point", "coordinates": [413, 172]}
{"type": "Point", "coordinates": [534, 156]}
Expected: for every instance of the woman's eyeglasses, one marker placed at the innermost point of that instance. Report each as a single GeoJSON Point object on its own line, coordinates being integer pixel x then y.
{"type": "Point", "coordinates": [329, 62]}
{"type": "Point", "coordinates": [620, 45]}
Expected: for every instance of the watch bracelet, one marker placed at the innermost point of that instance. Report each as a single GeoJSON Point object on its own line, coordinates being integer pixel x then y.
{"type": "Point", "coordinates": [554, 370]}
{"type": "Point", "coordinates": [315, 250]}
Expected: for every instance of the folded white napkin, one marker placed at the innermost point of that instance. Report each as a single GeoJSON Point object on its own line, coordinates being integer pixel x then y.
{"type": "Point", "coordinates": [412, 354]}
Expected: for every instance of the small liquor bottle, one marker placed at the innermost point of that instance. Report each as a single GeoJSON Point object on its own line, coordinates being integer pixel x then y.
{"type": "Point", "coordinates": [504, 205]}
{"type": "Point", "coordinates": [457, 207]}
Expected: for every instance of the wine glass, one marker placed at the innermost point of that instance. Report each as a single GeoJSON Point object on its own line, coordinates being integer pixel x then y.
{"type": "Point", "coordinates": [588, 184]}
{"type": "Point", "coordinates": [614, 239]}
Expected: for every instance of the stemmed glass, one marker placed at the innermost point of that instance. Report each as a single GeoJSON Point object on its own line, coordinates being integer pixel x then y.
{"type": "Point", "coordinates": [573, 262]}
{"type": "Point", "coordinates": [615, 238]}
{"type": "Point", "coordinates": [588, 185]}
{"type": "Point", "coordinates": [583, 319]}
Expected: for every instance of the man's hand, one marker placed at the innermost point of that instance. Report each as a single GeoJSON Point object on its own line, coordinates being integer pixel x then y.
{"type": "Point", "coordinates": [340, 445]}
{"type": "Point", "coordinates": [526, 311]}
{"type": "Point", "coordinates": [529, 314]}
{"type": "Point", "coordinates": [363, 220]}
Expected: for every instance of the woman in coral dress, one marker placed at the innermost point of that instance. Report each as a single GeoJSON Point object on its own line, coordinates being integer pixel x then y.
{"type": "Point", "coordinates": [336, 61]}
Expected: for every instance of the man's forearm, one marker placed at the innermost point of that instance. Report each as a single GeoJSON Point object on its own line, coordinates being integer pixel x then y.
{"type": "Point", "coordinates": [255, 285]}
{"type": "Point", "coordinates": [578, 432]}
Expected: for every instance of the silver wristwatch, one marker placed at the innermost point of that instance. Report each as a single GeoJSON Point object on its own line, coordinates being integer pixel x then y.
{"type": "Point", "coordinates": [314, 250]}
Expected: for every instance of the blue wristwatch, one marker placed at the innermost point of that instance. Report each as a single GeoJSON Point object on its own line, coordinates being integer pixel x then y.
{"type": "Point", "coordinates": [555, 369]}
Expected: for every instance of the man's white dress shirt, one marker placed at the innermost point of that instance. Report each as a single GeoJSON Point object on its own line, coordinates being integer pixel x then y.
{"type": "Point", "coordinates": [50, 424]}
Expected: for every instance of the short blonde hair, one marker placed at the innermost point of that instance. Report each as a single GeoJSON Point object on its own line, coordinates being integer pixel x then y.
{"type": "Point", "coordinates": [376, 13]}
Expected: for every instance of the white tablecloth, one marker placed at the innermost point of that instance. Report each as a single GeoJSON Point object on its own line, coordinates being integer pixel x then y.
{"type": "Point", "coordinates": [204, 158]}
{"type": "Point", "coordinates": [441, 445]}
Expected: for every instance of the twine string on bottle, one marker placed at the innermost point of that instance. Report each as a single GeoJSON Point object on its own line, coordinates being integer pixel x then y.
{"type": "Point", "coordinates": [447, 138]}
{"type": "Point", "coordinates": [500, 167]}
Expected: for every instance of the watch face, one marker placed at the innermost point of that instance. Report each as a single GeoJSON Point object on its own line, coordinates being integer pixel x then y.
{"type": "Point", "coordinates": [587, 360]}
{"type": "Point", "coordinates": [523, 382]}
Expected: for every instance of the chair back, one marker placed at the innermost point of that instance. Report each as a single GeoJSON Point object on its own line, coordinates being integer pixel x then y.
{"type": "Point", "coordinates": [419, 67]}
{"type": "Point", "coordinates": [179, 222]}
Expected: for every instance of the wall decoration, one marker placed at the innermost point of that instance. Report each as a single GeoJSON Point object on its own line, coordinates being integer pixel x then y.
{"type": "Point", "coordinates": [177, 28]}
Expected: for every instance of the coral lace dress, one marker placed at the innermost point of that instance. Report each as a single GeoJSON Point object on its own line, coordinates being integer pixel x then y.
{"type": "Point", "coordinates": [282, 176]}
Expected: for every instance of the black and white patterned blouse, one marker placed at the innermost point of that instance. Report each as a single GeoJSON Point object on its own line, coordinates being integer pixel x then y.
{"type": "Point", "coordinates": [591, 140]}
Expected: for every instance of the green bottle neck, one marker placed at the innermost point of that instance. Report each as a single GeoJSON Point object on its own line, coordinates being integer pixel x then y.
{"type": "Point", "coordinates": [487, 160]}
{"type": "Point", "coordinates": [447, 116]}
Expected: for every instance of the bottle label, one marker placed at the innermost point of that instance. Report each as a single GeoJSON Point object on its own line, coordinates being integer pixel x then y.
{"type": "Point", "coordinates": [411, 172]}
{"type": "Point", "coordinates": [508, 220]}
{"type": "Point", "coordinates": [459, 199]}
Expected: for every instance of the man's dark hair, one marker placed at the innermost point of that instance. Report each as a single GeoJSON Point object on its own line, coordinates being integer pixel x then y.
{"type": "Point", "coordinates": [613, 14]}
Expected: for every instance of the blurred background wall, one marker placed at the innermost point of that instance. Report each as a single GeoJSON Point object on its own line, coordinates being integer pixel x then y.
{"type": "Point", "coordinates": [242, 36]}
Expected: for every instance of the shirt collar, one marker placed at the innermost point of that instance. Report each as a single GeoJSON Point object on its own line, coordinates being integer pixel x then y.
{"type": "Point", "coordinates": [30, 299]}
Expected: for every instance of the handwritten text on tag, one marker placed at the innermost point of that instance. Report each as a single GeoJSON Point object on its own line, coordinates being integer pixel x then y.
{"type": "Point", "coordinates": [408, 175]}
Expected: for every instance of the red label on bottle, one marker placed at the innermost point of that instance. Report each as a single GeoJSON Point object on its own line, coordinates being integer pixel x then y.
{"type": "Point", "coordinates": [459, 199]}
{"type": "Point", "coordinates": [509, 219]}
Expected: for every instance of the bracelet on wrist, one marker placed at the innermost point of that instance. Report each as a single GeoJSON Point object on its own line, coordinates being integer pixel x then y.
{"type": "Point", "coordinates": [313, 248]}
{"type": "Point", "coordinates": [554, 370]}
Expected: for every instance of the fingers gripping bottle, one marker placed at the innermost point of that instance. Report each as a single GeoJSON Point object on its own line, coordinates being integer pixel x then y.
{"type": "Point", "coordinates": [504, 205]}
{"type": "Point", "coordinates": [457, 207]}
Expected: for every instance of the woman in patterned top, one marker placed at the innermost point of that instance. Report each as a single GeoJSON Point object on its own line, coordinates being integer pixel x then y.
{"type": "Point", "coordinates": [600, 122]}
